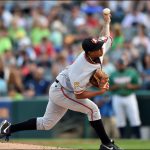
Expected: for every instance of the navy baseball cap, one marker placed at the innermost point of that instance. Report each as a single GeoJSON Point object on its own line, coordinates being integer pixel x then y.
{"type": "Point", "coordinates": [92, 44]}
{"type": "Point", "coordinates": [121, 61]}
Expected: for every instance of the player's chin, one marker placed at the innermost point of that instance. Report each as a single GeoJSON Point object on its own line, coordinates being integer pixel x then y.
{"type": "Point", "coordinates": [100, 53]}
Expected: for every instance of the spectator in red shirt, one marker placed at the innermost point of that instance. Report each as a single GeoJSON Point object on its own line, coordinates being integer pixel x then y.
{"type": "Point", "coordinates": [45, 47]}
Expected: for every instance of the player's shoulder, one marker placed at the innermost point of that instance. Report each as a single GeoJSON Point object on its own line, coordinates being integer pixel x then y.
{"type": "Point", "coordinates": [79, 59]}
{"type": "Point", "coordinates": [80, 55]}
{"type": "Point", "coordinates": [131, 69]}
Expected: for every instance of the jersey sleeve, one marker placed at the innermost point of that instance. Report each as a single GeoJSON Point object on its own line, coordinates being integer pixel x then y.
{"type": "Point", "coordinates": [107, 44]}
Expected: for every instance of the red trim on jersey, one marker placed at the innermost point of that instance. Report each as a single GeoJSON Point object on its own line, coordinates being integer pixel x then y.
{"type": "Point", "coordinates": [105, 40]}
{"type": "Point", "coordinates": [77, 102]}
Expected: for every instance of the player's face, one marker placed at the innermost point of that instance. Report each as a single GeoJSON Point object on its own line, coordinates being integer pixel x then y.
{"type": "Point", "coordinates": [120, 67]}
{"type": "Point", "coordinates": [95, 54]}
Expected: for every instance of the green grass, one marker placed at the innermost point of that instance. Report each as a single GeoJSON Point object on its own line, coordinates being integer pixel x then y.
{"type": "Point", "coordinates": [87, 143]}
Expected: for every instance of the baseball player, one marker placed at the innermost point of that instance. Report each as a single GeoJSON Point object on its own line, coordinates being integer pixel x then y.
{"type": "Point", "coordinates": [69, 91]}
{"type": "Point", "coordinates": [123, 83]}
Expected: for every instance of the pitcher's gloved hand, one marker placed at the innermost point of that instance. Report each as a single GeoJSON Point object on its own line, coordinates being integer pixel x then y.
{"type": "Point", "coordinates": [100, 79]}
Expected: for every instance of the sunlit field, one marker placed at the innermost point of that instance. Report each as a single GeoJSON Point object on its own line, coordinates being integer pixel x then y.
{"type": "Point", "coordinates": [86, 144]}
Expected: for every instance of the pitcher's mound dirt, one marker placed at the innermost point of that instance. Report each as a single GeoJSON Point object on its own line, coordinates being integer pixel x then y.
{"type": "Point", "coordinates": [26, 146]}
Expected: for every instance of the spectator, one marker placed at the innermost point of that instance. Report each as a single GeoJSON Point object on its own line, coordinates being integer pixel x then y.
{"type": "Point", "coordinates": [74, 18]}
{"type": "Point", "coordinates": [37, 86]}
{"type": "Point", "coordinates": [119, 9]}
{"type": "Point", "coordinates": [3, 83]}
{"type": "Point", "coordinates": [56, 36]}
{"type": "Point", "coordinates": [146, 73]}
{"type": "Point", "coordinates": [24, 44]}
{"type": "Point", "coordinates": [3, 88]}
{"type": "Point", "coordinates": [23, 58]}
{"type": "Point", "coordinates": [14, 95]}
{"type": "Point", "coordinates": [5, 43]}
{"type": "Point", "coordinates": [141, 41]}
{"type": "Point", "coordinates": [123, 83]}
{"type": "Point", "coordinates": [39, 31]}
{"type": "Point", "coordinates": [45, 47]}
{"type": "Point", "coordinates": [59, 64]}
{"type": "Point", "coordinates": [27, 71]}
{"type": "Point", "coordinates": [10, 79]}
{"type": "Point", "coordinates": [132, 55]}
{"type": "Point", "coordinates": [117, 43]}
{"type": "Point", "coordinates": [118, 37]}
{"type": "Point", "coordinates": [91, 20]}
{"type": "Point", "coordinates": [113, 5]}
{"type": "Point", "coordinates": [9, 59]}
{"type": "Point", "coordinates": [19, 18]}
{"type": "Point", "coordinates": [134, 17]}
{"type": "Point", "coordinates": [16, 33]}
{"type": "Point", "coordinates": [108, 67]}
{"type": "Point", "coordinates": [6, 15]}
{"type": "Point", "coordinates": [13, 82]}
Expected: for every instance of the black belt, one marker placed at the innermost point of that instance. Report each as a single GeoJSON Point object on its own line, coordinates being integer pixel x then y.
{"type": "Point", "coordinates": [56, 81]}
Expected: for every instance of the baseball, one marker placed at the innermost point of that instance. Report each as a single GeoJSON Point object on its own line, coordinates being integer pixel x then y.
{"type": "Point", "coordinates": [106, 11]}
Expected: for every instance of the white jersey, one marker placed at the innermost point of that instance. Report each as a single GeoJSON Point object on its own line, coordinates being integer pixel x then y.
{"type": "Point", "coordinates": [76, 76]}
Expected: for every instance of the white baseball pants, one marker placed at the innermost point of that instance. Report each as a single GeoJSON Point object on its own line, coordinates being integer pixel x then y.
{"type": "Point", "coordinates": [60, 100]}
{"type": "Point", "coordinates": [126, 107]}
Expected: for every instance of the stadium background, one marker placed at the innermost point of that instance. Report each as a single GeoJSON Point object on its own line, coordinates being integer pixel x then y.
{"type": "Point", "coordinates": [39, 38]}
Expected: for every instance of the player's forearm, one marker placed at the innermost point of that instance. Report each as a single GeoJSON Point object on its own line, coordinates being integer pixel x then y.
{"type": "Point", "coordinates": [105, 30]}
{"type": "Point", "coordinates": [89, 94]}
{"type": "Point", "coordinates": [132, 86]}
{"type": "Point", "coordinates": [106, 26]}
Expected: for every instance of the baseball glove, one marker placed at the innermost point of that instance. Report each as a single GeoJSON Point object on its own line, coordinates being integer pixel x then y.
{"type": "Point", "coordinates": [100, 79]}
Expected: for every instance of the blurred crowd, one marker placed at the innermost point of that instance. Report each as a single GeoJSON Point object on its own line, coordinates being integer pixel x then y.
{"type": "Point", "coordinates": [39, 38]}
